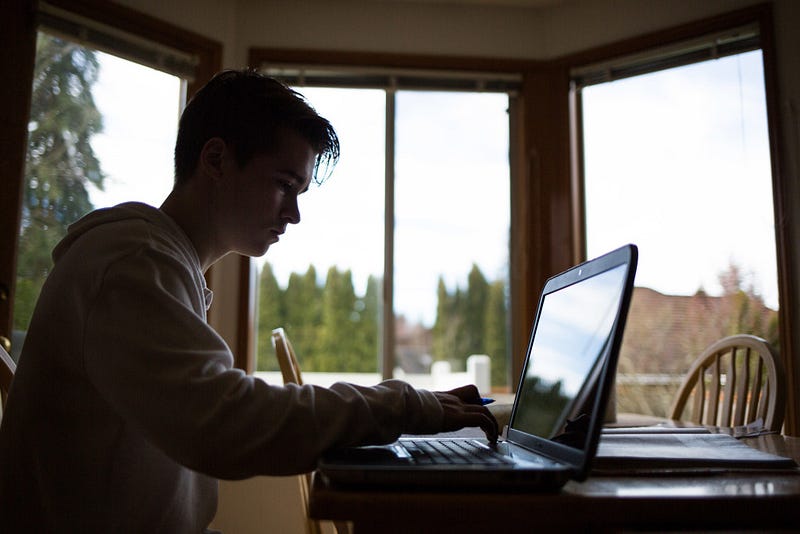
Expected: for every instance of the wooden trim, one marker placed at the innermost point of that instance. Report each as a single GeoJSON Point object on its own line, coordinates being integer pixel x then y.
{"type": "Point", "coordinates": [244, 357]}
{"type": "Point", "coordinates": [577, 167]}
{"type": "Point", "coordinates": [521, 252]}
{"type": "Point", "coordinates": [389, 324]}
{"type": "Point", "coordinates": [666, 36]}
{"type": "Point", "coordinates": [787, 271]}
{"type": "Point", "coordinates": [547, 189]}
{"type": "Point", "coordinates": [18, 43]}
{"type": "Point", "coordinates": [208, 51]}
{"type": "Point", "coordinates": [257, 56]}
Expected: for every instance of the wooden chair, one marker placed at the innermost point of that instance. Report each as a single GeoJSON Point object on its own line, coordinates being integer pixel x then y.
{"type": "Point", "coordinates": [735, 381]}
{"type": "Point", "coordinates": [284, 352]}
{"type": "Point", "coordinates": [7, 370]}
{"type": "Point", "coordinates": [290, 370]}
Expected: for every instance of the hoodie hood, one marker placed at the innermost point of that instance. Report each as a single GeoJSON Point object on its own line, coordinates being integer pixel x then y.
{"type": "Point", "coordinates": [104, 223]}
{"type": "Point", "coordinates": [128, 211]}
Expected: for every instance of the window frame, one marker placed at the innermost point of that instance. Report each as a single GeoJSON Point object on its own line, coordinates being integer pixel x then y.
{"type": "Point", "coordinates": [378, 61]}
{"type": "Point", "coordinates": [391, 82]}
{"type": "Point", "coordinates": [19, 44]}
{"type": "Point", "coordinates": [760, 16]}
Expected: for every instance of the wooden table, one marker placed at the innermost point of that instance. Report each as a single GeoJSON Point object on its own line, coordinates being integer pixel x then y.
{"type": "Point", "coordinates": [733, 500]}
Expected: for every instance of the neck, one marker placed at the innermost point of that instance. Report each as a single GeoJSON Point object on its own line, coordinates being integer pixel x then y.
{"type": "Point", "coordinates": [191, 210]}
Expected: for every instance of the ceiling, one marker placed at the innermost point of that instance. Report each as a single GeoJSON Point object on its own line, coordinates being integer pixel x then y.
{"type": "Point", "coordinates": [514, 3]}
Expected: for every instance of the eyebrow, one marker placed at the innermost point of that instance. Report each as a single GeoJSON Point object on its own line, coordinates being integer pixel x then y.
{"type": "Point", "coordinates": [299, 179]}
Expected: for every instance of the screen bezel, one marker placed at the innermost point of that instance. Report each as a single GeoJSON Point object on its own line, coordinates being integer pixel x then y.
{"type": "Point", "coordinates": [579, 459]}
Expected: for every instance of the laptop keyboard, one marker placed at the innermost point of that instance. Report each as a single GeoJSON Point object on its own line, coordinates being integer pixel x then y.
{"type": "Point", "coordinates": [452, 452]}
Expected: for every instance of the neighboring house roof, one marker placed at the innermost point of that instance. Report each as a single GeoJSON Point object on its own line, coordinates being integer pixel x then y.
{"type": "Point", "coordinates": [665, 333]}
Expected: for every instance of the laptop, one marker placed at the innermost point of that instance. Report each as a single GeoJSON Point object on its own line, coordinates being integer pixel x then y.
{"type": "Point", "coordinates": [558, 412]}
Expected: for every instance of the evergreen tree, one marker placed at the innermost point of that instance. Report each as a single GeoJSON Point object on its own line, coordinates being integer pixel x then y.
{"type": "Point", "coordinates": [457, 354]}
{"type": "Point", "coordinates": [335, 341]}
{"type": "Point", "coordinates": [60, 161]}
{"type": "Point", "coordinates": [496, 332]}
{"type": "Point", "coordinates": [449, 336]}
{"type": "Point", "coordinates": [367, 341]}
{"type": "Point", "coordinates": [441, 335]}
{"type": "Point", "coordinates": [270, 316]}
{"type": "Point", "coordinates": [302, 316]}
{"type": "Point", "coordinates": [474, 310]}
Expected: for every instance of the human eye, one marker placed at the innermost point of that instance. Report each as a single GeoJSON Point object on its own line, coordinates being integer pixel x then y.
{"type": "Point", "coordinates": [285, 185]}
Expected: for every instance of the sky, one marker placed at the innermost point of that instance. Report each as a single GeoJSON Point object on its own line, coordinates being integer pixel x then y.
{"type": "Point", "coordinates": [451, 197]}
{"type": "Point", "coordinates": [709, 179]}
{"type": "Point", "coordinates": [693, 140]}
{"type": "Point", "coordinates": [138, 138]}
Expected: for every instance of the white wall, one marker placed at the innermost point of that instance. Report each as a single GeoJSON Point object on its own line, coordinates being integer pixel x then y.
{"type": "Point", "coordinates": [446, 29]}
{"type": "Point", "coordinates": [436, 28]}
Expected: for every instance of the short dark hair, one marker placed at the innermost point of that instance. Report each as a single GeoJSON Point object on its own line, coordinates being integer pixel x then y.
{"type": "Point", "coordinates": [248, 111]}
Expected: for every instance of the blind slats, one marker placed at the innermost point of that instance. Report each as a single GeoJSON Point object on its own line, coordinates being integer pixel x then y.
{"type": "Point", "coordinates": [116, 42]}
{"type": "Point", "coordinates": [714, 46]}
{"type": "Point", "coordinates": [393, 79]}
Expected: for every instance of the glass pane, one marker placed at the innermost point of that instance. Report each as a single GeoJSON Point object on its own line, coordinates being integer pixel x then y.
{"type": "Point", "coordinates": [322, 281]}
{"type": "Point", "coordinates": [140, 108]}
{"type": "Point", "coordinates": [89, 146]}
{"type": "Point", "coordinates": [452, 217]}
{"type": "Point", "coordinates": [678, 162]}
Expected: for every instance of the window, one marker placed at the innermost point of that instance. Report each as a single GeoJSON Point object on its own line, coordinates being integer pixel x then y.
{"type": "Point", "coordinates": [85, 150]}
{"type": "Point", "coordinates": [53, 199]}
{"type": "Point", "coordinates": [451, 269]}
{"type": "Point", "coordinates": [676, 160]}
{"type": "Point", "coordinates": [322, 281]}
{"type": "Point", "coordinates": [130, 131]}
{"type": "Point", "coordinates": [417, 212]}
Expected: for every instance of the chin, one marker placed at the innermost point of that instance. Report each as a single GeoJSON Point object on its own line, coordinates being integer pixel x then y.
{"type": "Point", "coordinates": [254, 251]}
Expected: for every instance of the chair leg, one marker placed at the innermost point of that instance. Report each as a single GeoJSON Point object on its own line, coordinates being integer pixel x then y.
{"type": "Point", "coordinates": [343, 527]}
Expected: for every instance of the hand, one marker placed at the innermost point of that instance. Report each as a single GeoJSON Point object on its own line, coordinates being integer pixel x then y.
{"type": "Point", "coordinates": [462, 408]}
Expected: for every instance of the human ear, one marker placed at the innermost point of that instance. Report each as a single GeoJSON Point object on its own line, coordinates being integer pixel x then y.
{"type": "Point", "coordinates": [212, 156]}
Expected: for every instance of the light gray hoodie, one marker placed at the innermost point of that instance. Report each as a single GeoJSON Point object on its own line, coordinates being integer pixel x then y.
{"type": "Point", "coordinates": [125, 408]}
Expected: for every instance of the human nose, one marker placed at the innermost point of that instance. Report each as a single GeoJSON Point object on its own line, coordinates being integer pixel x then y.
{"type": "Point", "coordinates": [291, 210]}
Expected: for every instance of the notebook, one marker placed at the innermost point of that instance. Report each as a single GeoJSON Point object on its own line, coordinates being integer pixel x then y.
{"type": "Point", "coordinates": [640, 452]}
{"type": "Point", "coordinates": [558, 411]}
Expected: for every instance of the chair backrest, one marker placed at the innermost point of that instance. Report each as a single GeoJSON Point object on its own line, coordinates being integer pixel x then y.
{"type": "Point", "coordinates": [287, 360]}
{"type": "Point", "coordinates": [7, 370]}
{"type": "Point", "coordinates": [735, 381]}
{"type": "Point", "coordinates": [290, 370]}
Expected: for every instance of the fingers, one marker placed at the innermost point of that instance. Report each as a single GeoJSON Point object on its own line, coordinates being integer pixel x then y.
{"type": "Point", "coordinates": [485, 421]}
{"type": "Point", "coordinates": [468, 412]}
{"type": "Point", "coordinates": [490, 427]}
{"type": "Point", "coordinates": [468, 393]}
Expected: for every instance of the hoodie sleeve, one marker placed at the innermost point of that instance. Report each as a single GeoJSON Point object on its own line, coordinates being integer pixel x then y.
{"type": "Point", "coordinates": [152, 356]}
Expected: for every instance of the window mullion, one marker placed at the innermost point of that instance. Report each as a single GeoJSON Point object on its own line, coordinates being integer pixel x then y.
{"type": "Point", "coordinates": [388, 348]}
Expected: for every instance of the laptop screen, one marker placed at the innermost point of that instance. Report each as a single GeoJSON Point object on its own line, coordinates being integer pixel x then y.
{"type": "Point", "coordinates": [573, 332]}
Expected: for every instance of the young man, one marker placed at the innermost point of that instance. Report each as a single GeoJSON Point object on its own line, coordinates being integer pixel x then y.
{"type": "Point", "coordinates": [125, 408]}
